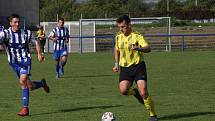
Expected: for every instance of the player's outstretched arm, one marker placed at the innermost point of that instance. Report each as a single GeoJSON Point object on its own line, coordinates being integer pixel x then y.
{"type": "Point", "coordinates": [52, 38]}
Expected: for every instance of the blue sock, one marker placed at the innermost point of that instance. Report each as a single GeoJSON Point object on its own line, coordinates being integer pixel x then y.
{"type": "Point", "coordinates": [62, 65]}
{"type": "Point", "coordinates": [61, 69]}
{"type": "Point", "coordinates": [37, 84]}
{"type": "Point", "coordinates": [25, 97]}
{"type": "Point", "coordinates": [57, 68]}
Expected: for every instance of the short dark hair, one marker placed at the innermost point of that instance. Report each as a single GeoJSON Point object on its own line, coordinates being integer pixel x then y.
{"type": "Point", "coordinates": [13, 16]}
{"type": "Point", "coordinates": [124, 18]}
{"type": "Point", "coordinates": [62, 19]}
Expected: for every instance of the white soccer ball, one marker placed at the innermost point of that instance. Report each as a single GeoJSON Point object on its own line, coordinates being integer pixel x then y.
{"type": "Point", "coordinates": [108, 116]}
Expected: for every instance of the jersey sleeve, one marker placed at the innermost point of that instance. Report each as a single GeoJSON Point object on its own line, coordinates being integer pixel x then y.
{"type": "Point", "coordinates": [52, 33]}
{"type": "Point", "coordinates": [116, 42]}
{"type": "Point", "coordinates": [141, 41]}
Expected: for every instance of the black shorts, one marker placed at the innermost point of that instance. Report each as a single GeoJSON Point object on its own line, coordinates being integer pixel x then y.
{"type": "Point", "coordinates": [133, 73]}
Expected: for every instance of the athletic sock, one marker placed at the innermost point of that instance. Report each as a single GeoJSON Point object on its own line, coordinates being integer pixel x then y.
{"type": "Point", "coordinates": [149, 106]}
{"type": "Point", "coordinates": [57, 68]}
{"type": "Point", "coordinates": [25, 97]}
{"type": "Point", "coordinates": [63, 64]}
{"type": "Point", "coordinates": [37, 84]}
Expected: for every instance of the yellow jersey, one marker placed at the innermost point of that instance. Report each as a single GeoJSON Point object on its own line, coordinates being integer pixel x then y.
{"type": "Point", "coordinates": [123, 44]}
{"type": "Point", "coordinates": [40, 33]}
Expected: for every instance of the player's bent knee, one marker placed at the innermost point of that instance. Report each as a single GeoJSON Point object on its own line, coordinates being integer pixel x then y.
{"type": "Point", "coordinates": [23, 84]}
{"type": "Point", "coordinates": [124, 91]}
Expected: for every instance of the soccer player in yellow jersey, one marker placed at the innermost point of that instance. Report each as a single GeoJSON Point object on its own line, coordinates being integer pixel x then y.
{"type": "Point", "coordinates": [41, 37]}
{"type": "Point", "coordinates": [129, 49]}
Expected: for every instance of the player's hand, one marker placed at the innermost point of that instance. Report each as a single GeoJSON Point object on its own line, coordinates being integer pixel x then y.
{"type": "Point", "coordinates": [134, 47]}
{"type": "Point", "coordinates": [137, 48]}
{"type": "Point", "coordinates": [40, 57]}
{"type": "Point", "coordinates": [55, 39]}
{"type": "Point", "coordinates": [115, 69]}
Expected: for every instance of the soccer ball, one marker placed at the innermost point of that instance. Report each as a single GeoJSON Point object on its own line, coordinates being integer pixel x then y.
{"type": "Point", "coordinates": [108, 116]}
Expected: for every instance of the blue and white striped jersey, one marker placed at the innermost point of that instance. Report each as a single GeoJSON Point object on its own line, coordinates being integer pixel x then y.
{"type": "Point", "coordinates": [62, 34]}
{"type": "Point", "coordinates": [17, 45]}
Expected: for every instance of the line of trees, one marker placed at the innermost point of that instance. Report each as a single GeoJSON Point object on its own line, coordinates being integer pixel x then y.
{"type": "Point", "coordinates": [71, 10]}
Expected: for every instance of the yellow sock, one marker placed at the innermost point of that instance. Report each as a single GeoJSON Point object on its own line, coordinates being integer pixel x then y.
{"type": "Point", "coordinates": [131, 92]}
{"type": "Point", "coordinates": [149, 106]}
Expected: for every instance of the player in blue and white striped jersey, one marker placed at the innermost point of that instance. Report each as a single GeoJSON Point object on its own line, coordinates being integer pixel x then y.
{"type": "Point", "coordinates": [60, 37]}
{"type": "Point", "coordinates": [16, 43]}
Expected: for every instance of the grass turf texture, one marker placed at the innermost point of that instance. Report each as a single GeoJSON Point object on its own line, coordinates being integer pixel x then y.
{"type": "Point", "coordinates": [180, 83]}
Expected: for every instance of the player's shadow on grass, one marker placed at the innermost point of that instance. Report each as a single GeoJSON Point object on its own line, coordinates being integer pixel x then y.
{"type": "Point", "coordinates": [76, 109]}
{"type": "Point", "coordinates": [87, 108]}
{"type": "Point", "coordinates": [185, 115]}
{"type": "Point", "coordinates": [84, 76]}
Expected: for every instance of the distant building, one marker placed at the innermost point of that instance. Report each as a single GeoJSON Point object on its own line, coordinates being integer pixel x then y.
{"type": "Point", "coordinates": [27, 9]}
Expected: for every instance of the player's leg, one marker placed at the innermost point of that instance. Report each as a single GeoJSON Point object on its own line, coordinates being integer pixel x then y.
{"type": "Point", "coordinates": [57, 67]}
{"type": "Point", "coordinates": [43, 44]}
{"type": "Point", "coordinates": [127, 74]}
{"type": "Point", "coordinates": [25, 95]}
{"type": "Point", "coordinates": [32, 85]}
{"type": "Point", "coordinates": [64, 55]}
{"type": "Point", "coordinates": [124, 87]}
{"type": "Point", "coordinates": [125, 82]}
{"type": "Point", "coordinates": [141, 81]}
{"type": "Point", "coordinates": [22, 74]}
{"type": "Point", "coordinates": [62, 64]}
{"type": "Point", "coordinates": [56, 57]}
{"type": "Point", "coordinates": [148, 103]}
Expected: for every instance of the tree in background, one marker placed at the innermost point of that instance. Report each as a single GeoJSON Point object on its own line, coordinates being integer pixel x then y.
{"type": "Point", "coordinates": [199, 4]}
{"type": "Point", "coordinates": [71, 10]}
{"type": "Point", "coordinates": [174, 5]}
{"type": "Point", "coordinates": [49, 9]}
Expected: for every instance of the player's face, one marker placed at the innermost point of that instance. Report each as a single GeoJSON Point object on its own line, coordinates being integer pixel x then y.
{"type": "Point", "coordinates": [124, 28]}
{"type": "Point", "coordinates": [60, 23]}
{"type": "Point", "coordinates": [15, 24]}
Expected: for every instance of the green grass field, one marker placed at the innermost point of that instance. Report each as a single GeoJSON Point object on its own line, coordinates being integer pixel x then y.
{"type": "Point", "coordinates": [180, 83]}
